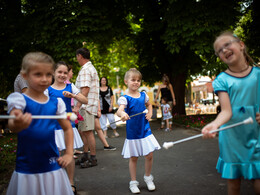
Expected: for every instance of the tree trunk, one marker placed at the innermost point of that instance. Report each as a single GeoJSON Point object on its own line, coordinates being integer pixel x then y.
{"type": "Point", "coordinates": [178, 83]}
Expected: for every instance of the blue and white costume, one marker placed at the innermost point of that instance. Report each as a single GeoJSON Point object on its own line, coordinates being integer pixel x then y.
{"type": "Point", "coordinates": [37, 170]}
{"type": "Point", "coordinates": [139, 138]}
{"type": "Point", "coordinates": [59, 133]}
{"type": "Point", "coordinates": [166, 111]}
{"type": "Point", "coordinates": [240, 146]}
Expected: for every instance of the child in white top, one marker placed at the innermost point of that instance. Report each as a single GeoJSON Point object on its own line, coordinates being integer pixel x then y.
{"type": "Point", "coordinates": [38, 165]}
{"type": "Point", "coordinates": [140, 140]}
{"type": "Point", "coordinates": [166, 112]}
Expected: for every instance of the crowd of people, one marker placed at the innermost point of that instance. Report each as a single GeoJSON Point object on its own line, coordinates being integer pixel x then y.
{"type": "Point", "coordinates": [46, 146]}
{"type": "Point", "coordinates": [39, 83]}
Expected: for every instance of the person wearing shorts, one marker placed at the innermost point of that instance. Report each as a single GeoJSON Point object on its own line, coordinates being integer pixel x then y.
{"type": "Point", "coordinates": [88, 83]}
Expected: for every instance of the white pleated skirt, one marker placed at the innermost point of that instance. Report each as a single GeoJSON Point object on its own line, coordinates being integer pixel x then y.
{"type": "Point", "coordinates": [51, 183]}
{"type": "Point", "coordinates": [60, 142]}
{"type": "Point", "coordinates": [140, 147]}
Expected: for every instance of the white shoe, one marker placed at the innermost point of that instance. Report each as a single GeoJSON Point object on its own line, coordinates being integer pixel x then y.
{"type": "Point", "coordinates": [133, 186]}
{"type": "Point", "coordinates": [149, 182]}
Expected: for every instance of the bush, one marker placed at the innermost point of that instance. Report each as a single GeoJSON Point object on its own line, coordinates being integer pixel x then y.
{"type": "Point", "coordinates": [195, 121]}
{"type": "Point", "coordinates": [8, 146]}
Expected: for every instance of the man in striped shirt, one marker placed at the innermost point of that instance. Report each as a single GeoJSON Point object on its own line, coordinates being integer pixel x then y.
{"type": "Point", "coordinates": [88, 83]}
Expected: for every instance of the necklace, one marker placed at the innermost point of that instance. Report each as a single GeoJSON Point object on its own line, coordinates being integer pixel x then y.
{"type": "Point", "coordinates": [243, 70]}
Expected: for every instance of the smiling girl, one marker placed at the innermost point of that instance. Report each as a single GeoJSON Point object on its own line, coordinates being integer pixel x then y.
{"type": "Point", "coordinates": [238, 90]}
{"type": "Point", "coordinates": [66, 91]}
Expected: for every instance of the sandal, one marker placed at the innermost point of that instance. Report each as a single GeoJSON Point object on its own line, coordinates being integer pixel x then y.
{"type": "Point", "coordinates": [74, 189]}
{"type": "Point", "coordinates": [78, 152]}
{"type": "Point", "coordinates": [85, 164]}
{"type": "Point", "coordinates": [82, 160]}
{"type": "Point", "coordinates": [88, 163]}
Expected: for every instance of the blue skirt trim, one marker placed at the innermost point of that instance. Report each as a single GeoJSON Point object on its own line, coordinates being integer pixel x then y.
{"type": "Point", "coordinates": [248, 171]}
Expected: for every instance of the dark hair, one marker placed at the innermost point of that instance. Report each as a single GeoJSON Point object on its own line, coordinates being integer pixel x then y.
{"type": "Point", "coordinates": [249, 60]}
{"type": "Point", "coordinates": [165, 99]}
{"type": "Point", "coordinates": [61, 63]}
{"type": "Point", "coordinates": [101, 79]}
{"type": "Point", "coordinates": [70, 67]}
{"type": "Point", "coordinates": [166, 79]}
{"type": "Point", "coordinates": [84, 52]}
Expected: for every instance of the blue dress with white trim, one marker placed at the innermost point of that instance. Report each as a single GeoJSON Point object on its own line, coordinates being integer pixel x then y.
{"type": "Point", "coordinates": [139, 138]}
{"type": "Point", "coordinates": [59, 133]}
{"type": "Point", "coordinates": [37, 153]}
{"type": "Point", "coordinates": [240, 146]}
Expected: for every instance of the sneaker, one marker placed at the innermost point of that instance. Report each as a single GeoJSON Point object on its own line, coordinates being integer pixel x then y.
{"type": "Point", "coordinates": [116, 134]}
{"type": "Point", "coordinates": [133, 186]}
{"type": "Point", "coordinates": [110, 148]}
{"type": "Point", "coordinates": [149, 182]}
{"type": "Point", "coordinates": [167, 129]}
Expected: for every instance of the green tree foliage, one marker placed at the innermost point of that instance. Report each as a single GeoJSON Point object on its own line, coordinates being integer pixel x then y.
{"type": "Point", "coordinates": [177, 35]}
{"type": "Point", "coordinates": [57, 28]}
{"type": "Point", "coordinates": [250, 27]}
{"type": "Point", "coordinates": [157, 36]}
{"type": "Point", "coordinates": [120, 56]}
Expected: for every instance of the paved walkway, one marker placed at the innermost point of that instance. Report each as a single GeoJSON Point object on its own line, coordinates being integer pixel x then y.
{"type": "Point", "coordinates": [187, 168]}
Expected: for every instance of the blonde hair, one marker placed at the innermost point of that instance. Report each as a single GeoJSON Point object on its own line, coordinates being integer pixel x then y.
{"type": "Point", "coordinates": [133, 71]}
{"type": "Point", "coordinates": [248, 58]}
{"type": "Point", "coordinates": [31, 59]}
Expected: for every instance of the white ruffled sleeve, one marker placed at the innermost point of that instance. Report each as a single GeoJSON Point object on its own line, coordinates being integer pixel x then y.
{"type": "Point", "coordinates": [146, 97]}
{"type": "Point", "coordinates": [15, 100]}
{"type": "Point", "coordinates": [61, 107]}
{"type": "Point", "coordinates": [74, 89]}
{"type": "Point", "coordinates": [122, 101]}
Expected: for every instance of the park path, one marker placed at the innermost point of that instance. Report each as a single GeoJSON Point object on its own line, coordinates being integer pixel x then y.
{"type": "Point", "coordinates": [187, 168]}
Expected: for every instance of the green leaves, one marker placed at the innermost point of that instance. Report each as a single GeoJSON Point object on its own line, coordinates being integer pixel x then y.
{"type": "Point", "coordinates": [162, 36]}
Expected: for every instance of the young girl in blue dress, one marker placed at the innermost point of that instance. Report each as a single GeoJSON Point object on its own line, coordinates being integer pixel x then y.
{"type": "Point", "coordinates": [61, 89]}
{"type": "Point", "coordinates": [139, 139]}
{"type": "Point", "coordinates": [238, 89]}
{"type": "Point", "coordinates": [38, 164]}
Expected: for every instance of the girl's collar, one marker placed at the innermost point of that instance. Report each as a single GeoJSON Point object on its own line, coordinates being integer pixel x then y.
{"type": "Point", "coordinates": [136, 95]}
{"type": "Point", "coordinates": [240, 76]}
{"type": "Point", "coordinates": [56, 87]}
{"type": "Point", "coordinates": [40, 102]}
